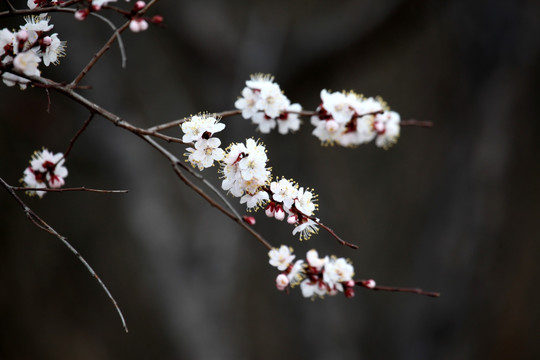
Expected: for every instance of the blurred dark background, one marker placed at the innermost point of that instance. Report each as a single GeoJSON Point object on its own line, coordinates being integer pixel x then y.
{"type": "Point", "coordinates": [453, 209]}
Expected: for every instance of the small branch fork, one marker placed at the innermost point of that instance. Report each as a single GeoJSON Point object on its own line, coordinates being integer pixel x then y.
{"type": "Point", "coordinates": [41, 224]}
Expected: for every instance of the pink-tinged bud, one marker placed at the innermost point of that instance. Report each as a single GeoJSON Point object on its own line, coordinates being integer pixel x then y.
{"type": "Point", "coordinates": [379, 127]}
{"type": "Point", "coordinates": [137, 25]}
{"type": "Point", "coordinates": [249, 219]}
{"type": "Point", "coordinates": [282, 281]}
{"type": "Point", "coordinates": [156, 19]}
{"type": "Point", "coordinates": [143, 25]}
{"type": "Point", "coordinates": [349, 292]}
{"type": "Point", "coordinates": [139, 5]}
{"type": "Point", "coordinates": [96, 7]}
{"type": "Point", "coordinates": [47, 41]}
{"type": "Point", "coordinates": [270, 208]}
{"type": "Point", "coordinates": [22, 35]}
{"type": "Point", "coordinates": [293, 219]}
{"type": "Point", "coordinates": [280, 214]}
{"type": "Point", "coordinates": [81, 14]}
{"type": "Point", "coordinates": [350, 283]}
{"type": "Point", "coordinates": [332, 125]}
{"type": "Point", "coordinates": [369, 283]}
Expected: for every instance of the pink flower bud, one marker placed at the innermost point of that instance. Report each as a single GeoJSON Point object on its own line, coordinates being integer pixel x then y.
{"type": "Point", "coordinates": [350, 283]}
{"type": "Point", "coordinates": [282, 281]}
{"type": "Point", "coordinates": [47, 40]}
{"type": "Point", "coordinates": [369, 283]}
{"type": "Point", "coordinates": [22, 35]}
{"type": "Point", "coordinates": [349, 292]}
{"type": "Point", "coordinates": [139, 5]}
{"type": "Point", "coordinates": [269, 211]}
{"type": "Point", "coordinates": [249, 219]}
{"type": "Point", "coordinates": [280, 214]}
{"type": "Point", "coordinates": [157, 19]}
{"type": "Point", "coordinates": [293, 219]}
{"type": "Point", "coordinates": [81, 14]}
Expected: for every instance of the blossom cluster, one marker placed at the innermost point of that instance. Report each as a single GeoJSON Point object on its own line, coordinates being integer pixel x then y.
{"type": "Point", "coordinates": [286, 199]}
{"type": "Point", "coordinates": [199, 129]}
{"type": "Point", "coordinates": [349, 119]}
{"type": "Point", "coordinates": [316, 276]}
{"type": "Point", "coordinates": [246, 175]}
{"type": "Point", "coordinates": [46, 170]}
{"type": "Point", "coordinates": [25, 49]}
{"type": "Point", "coordinates": [265, 104]}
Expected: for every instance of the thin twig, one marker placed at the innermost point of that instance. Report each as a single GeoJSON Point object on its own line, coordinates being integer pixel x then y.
{"type": "Point", "coordinates": [365, 284]}
{"type": "Point", "coordinates": [99, 54]}
{"type": "Point", "coordinates": [82, 188]}
{"type": "Point", "coordinates": [72, 141]}
{"type": "Point", "coordinates": [340, 240]}
{"type": "Point", "coordinates": [40, 223]}
{"type": "Point", "coordinates": [412, 122]}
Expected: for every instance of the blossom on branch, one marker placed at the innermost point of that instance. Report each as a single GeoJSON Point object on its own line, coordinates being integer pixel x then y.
{"type": "Point", "coordinates": [46, 170]}
{"type": "Point", "coordinates": [350, 119]}
{"type": "Point", "coordinates": [317, 276]}
{"type": "Point", "coordinates": [265, 104]}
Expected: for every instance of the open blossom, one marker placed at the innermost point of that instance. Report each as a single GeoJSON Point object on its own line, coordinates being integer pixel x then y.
{"type": "Point", "coordinates": [349, 119]}
{"type": "Point", "coordinates": [27, 62]}
{"type": "Point", "coordinates": [244, 169]}
{"type": "Point", "coordinates": [306, 229]}
{"type": "Point", "coordinates": [35, 26]}
{"type": "Point", "coordinates": [53, 50]}
{"type": "Point", "coordinates": [304, 202]}
{"type": "Point", "coordinates": [317, 278]}
{"type": "Point", "coordinates": [32, 4]}
{"type": "Point", "coordinates": [46, 170]}
{"type": "Point", "coordinates": [199, 125]}
{"type": "Point", "coordinates": [387, 127]}
{"type": "Point", "coordinates": [265, 104]}
{"type": "Point", "coordinates": [284, 191]}
{"type": "Point", "coordinates": [289, 121]}
{"type": "Point", "coordinates": [281, 258]}
{"type": "Point", "coordinates": [337, 272]}
{"type": "Point", "coordinates": [206, 151]}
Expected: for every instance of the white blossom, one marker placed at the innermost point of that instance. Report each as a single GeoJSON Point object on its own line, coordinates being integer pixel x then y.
{"type": "Point", "coordinates": [336, 272]}
{"type": "Point", "coordinates": [54, 50]}
{"type": "Point", "coordinates": [304, 202]}
{"type": "Point", "coordinates": [387, 127]}
{"type": "Point", "coordinates": [281, 258]}
{"type": "Point", "coordinates": [206, 152]}
{"type": "Point", "coordinates": [197, 125]}
{"type": "Point", "coordinates": [307, 228]}
{"type": "Point", "coordinates": [287, 121]}
{"type": "Point", "coordinates": [27, 63]}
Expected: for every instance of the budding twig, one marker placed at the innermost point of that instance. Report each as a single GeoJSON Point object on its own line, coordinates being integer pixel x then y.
{"type": "Point", "coordinates": [41, 224]}
{"type": "Point", "coordinates": [82, 188]}
{"type": "Point", "coordinates": [365, 284]}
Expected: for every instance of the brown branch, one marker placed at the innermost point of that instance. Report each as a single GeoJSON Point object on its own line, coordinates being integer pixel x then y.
{"type": "Point", "coordinates": [412, 122]}
{"type": "Point", "coordinates": [72, 141]}
{"type": "Point", "coordinates": [366, 285]}
{"type": "Point", "coordinates": [22, 188]}
{"type": "Point", "coordinates": [41, 224]}
{"type": "Point", "coordinates": [330, 231]}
